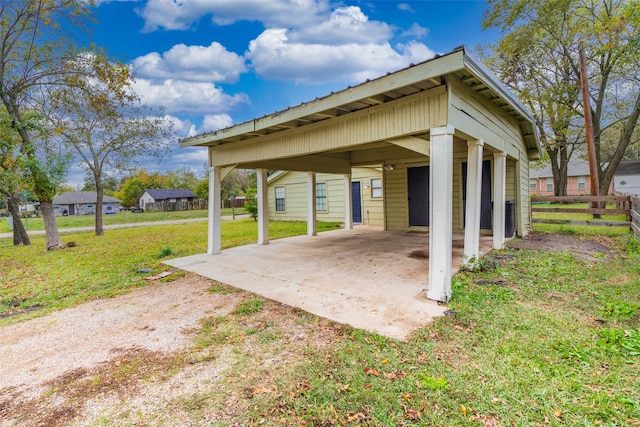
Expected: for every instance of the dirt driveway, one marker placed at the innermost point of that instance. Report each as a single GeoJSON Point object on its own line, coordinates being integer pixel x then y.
{"type": "Point", "coordinates": [142, 358]}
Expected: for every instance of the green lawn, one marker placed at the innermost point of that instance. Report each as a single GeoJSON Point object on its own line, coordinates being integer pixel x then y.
{"type": "Point", "coordinates": [575, 216]}
{"type": "Point", "coordinates": [578, 229]}
{"type": "Point", "coordinates": [34, 281]}
{"type": "Point", "coordinates": [536, 338]}
{"type": "Point", "coordinates": [123, 217]}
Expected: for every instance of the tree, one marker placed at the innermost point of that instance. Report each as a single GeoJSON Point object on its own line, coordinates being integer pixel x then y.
{"type": "Point", "coordinates": [102, 120]}
{"type": "Point", "coordinates": [34, 55]}
{"type": "Point", "coordinates": [134, 186]}
{"type": "Point", "coordinates": [182, 179]}
{"type": "Point", "coordinates": [538, 58]}
{"type": "Point", "coordinates": [12, 179]}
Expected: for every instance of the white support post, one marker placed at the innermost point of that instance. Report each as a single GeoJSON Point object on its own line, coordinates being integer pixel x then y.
{"type": "Point", "coordinates": [473, 207]}
{"type": "Point", "coordinates": [263, 207]}
{"type": "Point", "coordinates": [348, 203]}
{"type": "Point", "coordinates": [441, 212]}
{"type": "Point", "coordinates": [214, 241]}
{"type": "Point", "coordinates": [499, 198]}
{"type": "Point", "coordinates": [311, 203]}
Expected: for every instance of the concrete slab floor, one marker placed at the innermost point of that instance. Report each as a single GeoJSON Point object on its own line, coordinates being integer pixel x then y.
{"type": "Point", "coordinates": [366, 277]}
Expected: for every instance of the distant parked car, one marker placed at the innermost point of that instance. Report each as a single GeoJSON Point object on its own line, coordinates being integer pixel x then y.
{"type": "Point", "coordinates": [136, 209]}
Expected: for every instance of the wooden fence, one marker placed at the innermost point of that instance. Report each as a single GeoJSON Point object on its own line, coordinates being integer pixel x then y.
{"type": "Point", "coordinates": [176, 206]}
{"type": "Point", "coordinates": [634, 211]}
{"type": "Point", "coordinates": [623, 206]}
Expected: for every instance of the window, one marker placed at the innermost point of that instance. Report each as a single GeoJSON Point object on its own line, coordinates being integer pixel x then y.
{"type": "Point", "coordinates": [280, 199]}
{"type": "Point", "coordinates": [549, 184]}
{"type": "Point", "coordinates": [376, 188]}
{"type": "Point", "coordinates": [533, 184]}
{"type": "Point", "coordinates": [321, 196]}
{"type": "Point", "coordinates": [582, 183]}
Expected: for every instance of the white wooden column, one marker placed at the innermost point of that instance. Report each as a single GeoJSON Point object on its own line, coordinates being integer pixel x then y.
{"type": "Point", "coordinates": [348, 203]}
{"type": "Point", "coordinates": [213, 245]}
{"type": "Point", "coordinates": [440, 212]}
{"type": "Point", "coordinates": [311, 203]}
{"type": "Point", "coordinates": [473, 206]}
{"type": "Point", "coordinates": [263, 207]}
{"type": "Point", "coordinates": [499, 198]}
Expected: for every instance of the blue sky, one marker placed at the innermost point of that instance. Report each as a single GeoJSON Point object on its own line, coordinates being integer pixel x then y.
{"type": "Point", "coordinates": [215, 63]}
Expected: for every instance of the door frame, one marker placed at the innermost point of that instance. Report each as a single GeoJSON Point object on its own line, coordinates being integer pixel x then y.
{"type": "Point", "coordinates": [353, 205]}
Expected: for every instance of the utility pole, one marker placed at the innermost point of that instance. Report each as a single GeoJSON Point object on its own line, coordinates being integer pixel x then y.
{"type": "Point", "coordinates": [588, 127]}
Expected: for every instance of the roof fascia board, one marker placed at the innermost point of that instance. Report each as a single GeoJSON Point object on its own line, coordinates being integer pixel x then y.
{"type": "Point", "coordinates": [478, 69]}
{"type": "Point", "coordinates": [430, 69]}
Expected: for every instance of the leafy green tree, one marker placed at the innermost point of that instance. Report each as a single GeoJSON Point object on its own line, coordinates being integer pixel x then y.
{"type": "Point", "coordinates": [35, 57]}
{"type": "Point", "coordinates": [182, 178]}
{"type": "Point", "coordinates": [251, 203]}
{"type": "Point", "coordinates": [11, 178]}
{"type": "Point", "coordinates": [538, 58]}
{"type": "Point", "coordinates": [134, 186]}
{"type": "Point", "coordinates": [201, 189]}
{"type": "Point", "coordinates": [101, 119]}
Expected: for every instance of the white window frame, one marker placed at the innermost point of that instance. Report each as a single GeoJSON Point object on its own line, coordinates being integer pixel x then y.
{"type": "Point", "coordinates": [533, 184]}
{"type": "Point", "coordinates": [376, 185]}
{"type": "Point", "coordinates": [322, 202]}
{"type": "Point", "coordinates": [549, 184]}
{"type": "Point", "coordinates": [282, 197]}
{"type": "Point", "coordinates": [582, 183]}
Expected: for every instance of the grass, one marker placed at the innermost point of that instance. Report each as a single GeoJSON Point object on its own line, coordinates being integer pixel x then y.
{"type": "Point", "coordinates": [576, 216]}
{"type": "Point", "coordinates": [34, 282]}
{"type": "Point", "coordinates": [536, 338]}
{"type": "Point", "coordinates": [579, 229]}
{"type": "Point", "coordinates": [124, 217]}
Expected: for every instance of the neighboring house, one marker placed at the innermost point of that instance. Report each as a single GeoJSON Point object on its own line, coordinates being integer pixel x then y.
{"type": "Point", "coordinates": [168, 196]}
{"type": "Point", "coordinates": [626, 180]}
{"type": "Point", "coordinates": [288, 196]}
{"type": "Point", "coordinates": [451, 139]}
{"type": "Point", "coordinates": [578, 179]}
{"type": "Point", "coordinates": [83, 203]}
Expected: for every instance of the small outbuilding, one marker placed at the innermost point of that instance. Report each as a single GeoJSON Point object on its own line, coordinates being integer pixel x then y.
{"type": "Point", "coordinates": [166, 196]}
{"type": "Point", "coordinates": [83, 203]}
{"type": "Point", "coordinates": [626, 180]}
{"type": "Point", "coordinates": [453, 143]}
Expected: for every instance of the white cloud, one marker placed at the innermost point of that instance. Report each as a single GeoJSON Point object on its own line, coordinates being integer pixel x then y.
{"type": "Point", "coordinates": [416, 30]}
{"type": "Point", "coordinates": [194, 63]}
{"type": "Point", "coordinates": [187, 97]}
{"type": "Point", "coordinates": [181, 128]}
{"type": "Point", "coordinates": [345, 25]}
{"type": "Point", "coordinates": [275, 56]}
{"type": "Point", "coordinates": [405, 7]}
{"type": "Point", "coordinates": [173, 15]}
{"type": "Point", "coordinates": [213, 122]}
{"type": "Point", "coordinates": [304, 41]}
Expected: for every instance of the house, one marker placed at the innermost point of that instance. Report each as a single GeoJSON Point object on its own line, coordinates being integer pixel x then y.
{"type": "Point", "coordinates": [578, 179]}
{"type": "Point", "coordinates": [453, 143]}
{"type": "Point", "coordinates": [626, 180]}
{"type": "Point", "coordinates": [83, 203]}
{"type": "Point", "coordinates": [287, 196]}
{"type": "Point", "coordinates": [168, 196]}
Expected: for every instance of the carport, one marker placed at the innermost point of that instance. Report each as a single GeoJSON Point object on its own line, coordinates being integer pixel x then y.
{"type": "Point", "coordinates": [454, 146]}
{"type": "Point", "coordinates": [366, 277]}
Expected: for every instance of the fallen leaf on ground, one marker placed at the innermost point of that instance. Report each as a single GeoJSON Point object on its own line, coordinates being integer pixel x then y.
{"type": "Point", "coordinates": [371, 371]}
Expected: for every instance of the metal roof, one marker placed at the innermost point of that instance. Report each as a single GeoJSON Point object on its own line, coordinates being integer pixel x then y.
{"type": "Point", "coordinates": [81, 197]}
{"type": "Point", "coordinates": [170, 194]}
{"type": "Point", "coordinates": [408, 81]}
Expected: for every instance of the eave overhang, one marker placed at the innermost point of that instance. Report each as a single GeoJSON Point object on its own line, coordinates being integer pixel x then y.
{"type": "Point", "coordinates": [408, 81]}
